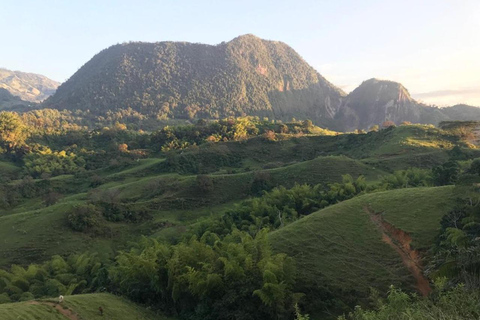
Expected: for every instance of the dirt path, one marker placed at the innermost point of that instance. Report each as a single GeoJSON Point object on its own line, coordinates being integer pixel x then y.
{"type": "Point", "coordinates": [66, 312]}
{"type": "Point", "coordinates": [400, 241]}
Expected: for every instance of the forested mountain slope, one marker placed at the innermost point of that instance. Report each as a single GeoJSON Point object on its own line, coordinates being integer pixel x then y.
{"type": "Point", "coordinates": [246, 76]}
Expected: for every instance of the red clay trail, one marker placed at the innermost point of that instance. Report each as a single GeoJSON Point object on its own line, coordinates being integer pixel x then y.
{"type": "Point", "coordinates": [400, 241]}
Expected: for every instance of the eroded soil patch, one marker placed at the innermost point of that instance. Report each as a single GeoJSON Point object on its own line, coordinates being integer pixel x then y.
{"type": "Point", "coordinates": [400, 241]}
{"type": "Point", "coordinates": [68, 313]}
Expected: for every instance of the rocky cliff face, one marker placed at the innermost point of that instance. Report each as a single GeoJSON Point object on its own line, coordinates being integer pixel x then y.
{"type": "Point", "coordinates": [376, 101]}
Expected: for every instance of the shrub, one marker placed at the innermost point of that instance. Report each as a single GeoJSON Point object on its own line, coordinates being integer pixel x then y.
{"type": "Point", "coordinates": [4, 298]}
{"type": "Point", "coordinates": [283, 128]}
{"type": "Point", "coordinates": [388, 124]}
{"type": "Point", "coordinates": [84, 217]}
{"type": "Point", "coordinates": [96, 181]}
{"type": "Point", "coordinates": [446, 174]}
{"type": "Point", "coordinates": [51, 198]}
{"type": "Point", "coordinates": [269, 135]}
{"type": "Point", "coordinates": [204, 183]}
{"type": "Point", "coordinates": [475, 167]}
{"type": "Point", "coordinates": [262, 181]}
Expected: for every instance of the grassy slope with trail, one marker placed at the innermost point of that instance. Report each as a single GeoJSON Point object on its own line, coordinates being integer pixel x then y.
{"type": "Point", "coordinates": [340, 246]}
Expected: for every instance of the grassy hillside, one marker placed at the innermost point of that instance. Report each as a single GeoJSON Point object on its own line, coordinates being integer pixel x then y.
{"type": "Point", "coordinates": [33, 232]}
{"type": "Point", "coordinates": [392, 148]}
{"type": "Point", "coordinates": [341, 246]}
{"type": "Point", "coordinates": [78, 307]}
{"type": "Point", "coordinates": [61, 203]}
{"type": "Point", "coordinates": [7, 168]}
{"type": "Point", "coordinates": [38, 234]}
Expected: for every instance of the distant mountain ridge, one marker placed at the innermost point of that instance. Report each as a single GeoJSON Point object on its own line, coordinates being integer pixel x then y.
{"type": "Point", "coordinates": [245, 76]}
{"type": "Point", "coordinates": [7, 100]}
{"type": "Point", "coordinates": [27, 86]}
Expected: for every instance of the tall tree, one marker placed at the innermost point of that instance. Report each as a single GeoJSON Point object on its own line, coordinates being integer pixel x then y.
{"type": "Point", "coordinates": [12, 131]}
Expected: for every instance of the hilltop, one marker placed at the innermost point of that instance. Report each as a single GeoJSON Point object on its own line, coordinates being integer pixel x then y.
{"type": "Point", "coordinates": [29, 87]}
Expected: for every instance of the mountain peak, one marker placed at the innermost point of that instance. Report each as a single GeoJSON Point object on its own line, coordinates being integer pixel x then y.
{"type": "Point", "coordinates": [383, 90]}
{"type": "Point", "coordinates": [247, 36]}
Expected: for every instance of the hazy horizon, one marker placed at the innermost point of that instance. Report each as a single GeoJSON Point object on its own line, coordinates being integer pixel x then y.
{"type": "Point", "coordinates": [432, 47]}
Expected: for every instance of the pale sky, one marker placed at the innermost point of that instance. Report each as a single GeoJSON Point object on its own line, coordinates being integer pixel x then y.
{"type": "Point", "coordinates": [431, 46]}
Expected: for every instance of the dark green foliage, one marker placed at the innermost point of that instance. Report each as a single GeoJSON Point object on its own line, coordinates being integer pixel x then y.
{"type": "Point", "coordinates": [455, 304]}
{"type": "Point", "coordinates": [446, 174]}
{"type": "Point", "coordinates": [51, 198]}
{"type": "Point", "coordinates": [458, 154]}
{"type": "Point", "coordinates": [458, 251]}
{"type": "Point", "coordinates": [204, 278]}
{"type": "Point", "coordinates": [53, 163]}
{"type": "Point", "coordinates": [262, 181]}
{"type": "Point", "coordinates": [231, 129]}
{"type": "Point", "coordinates": [409, 178]}
{"type": "Point", "coordinates": [112, 209]}
{"type": "Point", "coordinates": [282, 206]}
{"type": "Point", "coordinates": [201, 160]}
{"type": "Point", "coordinates": [208, 278]}
{"type": "Point", "coordinates": [475, 167]}
{"type": "Point", "coordinates": [77, 274]}
{"type": "Point", "coordinates": [205, 183]}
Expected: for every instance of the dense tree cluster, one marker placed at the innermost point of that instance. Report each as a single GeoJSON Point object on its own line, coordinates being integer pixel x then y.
{"type": "Point", "coordinates": [232, 129]}
{"type": "Point", "coordinates": [282, 206]}
{"type": "Point", "coordinates": [77, 274]}
{"type": "Point", "coordinates": [209, 278]}
{"type": "Point", "coordinates": [457, 254]}
{"type": "Point", "coordinates": [199, 278]}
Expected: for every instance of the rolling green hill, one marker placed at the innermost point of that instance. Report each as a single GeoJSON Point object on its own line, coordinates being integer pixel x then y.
{"type": "Point", "coordinates": [342, 247]}
{"type": "Point", "coordinates": [102, 192]}
{"type": "Point", "coordinates": [33, 232]}
{"type": "Point", "coordinates": [78, 307]}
